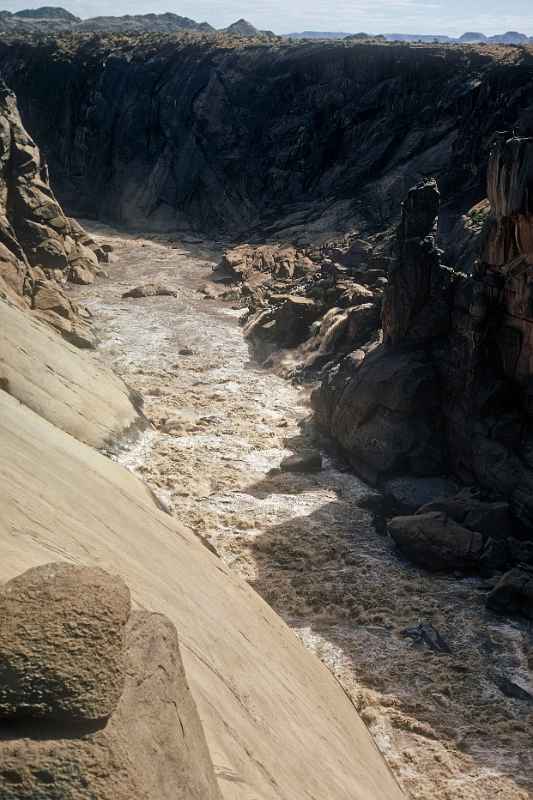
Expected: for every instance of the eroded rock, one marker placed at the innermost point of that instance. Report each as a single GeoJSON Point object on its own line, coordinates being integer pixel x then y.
{"type": "Point", "coordinates": [112, 714]}
{"type": "Point", "coordinates": [61, 643]}
{"type": "Point", "coordinates": [40, 247]}
{"type": "Point", "coordinates": [434, 541]}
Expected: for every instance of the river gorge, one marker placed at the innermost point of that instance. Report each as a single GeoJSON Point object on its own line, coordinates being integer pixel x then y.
{"type": "Point", "coordinates": [313, 544]}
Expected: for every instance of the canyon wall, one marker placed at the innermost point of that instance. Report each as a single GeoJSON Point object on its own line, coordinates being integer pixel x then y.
{"type": "Point", "coordinates": [224, 135]}
{"type": "Point", "coordinates": [449, 388]}
{"type": "Point", "coordinates": [40, 247]}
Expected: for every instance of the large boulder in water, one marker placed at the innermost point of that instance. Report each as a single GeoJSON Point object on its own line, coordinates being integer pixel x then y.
{"type": "Point", "coordinates": [436, 542]}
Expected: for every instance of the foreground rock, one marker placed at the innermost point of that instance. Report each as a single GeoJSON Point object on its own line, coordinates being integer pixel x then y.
{"type": "Point", "coordinates": [61, 644]}
{"type": "Point", "coordinates": [97, 700]}
{"type": "Point", "coordinates": [270, 711]}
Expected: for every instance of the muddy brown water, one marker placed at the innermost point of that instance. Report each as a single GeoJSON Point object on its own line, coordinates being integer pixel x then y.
{"type": "Point", "coordinates": [309, 543]}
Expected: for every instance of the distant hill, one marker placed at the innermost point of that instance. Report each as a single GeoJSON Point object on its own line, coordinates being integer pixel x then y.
{"type": "Point", "coordinates": [511, 37]}
{"type": "Point", "coordinates": [472, 38]}
{"type": "Point", "coordinates": [46, 12]}
{"type": "Point", "coordinates": [429, 38]}
{"type": "Point", "coordinates": [151, 23]}
{"type": "Point", "coordinates": [242, 28]}
{"type": "Point", "coordinates": [318, 35]}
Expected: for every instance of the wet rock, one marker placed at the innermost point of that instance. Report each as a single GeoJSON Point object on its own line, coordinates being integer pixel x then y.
{"type": "Point", "coordinates": [379, 410]}
{"type": "Point", "coordinates": [436, 542]}
{"type": "Point", "coordinates": [513, 594]}
{"type": "Point", "coordinates": [412, 493]}
{"type": "Point", "coordinates": [285, 324]}
{"type": "Point", "coordinates": [307, 461]}
{"type": "Point", "coordinates": [425, 633]}
{"type": "Point", "coordinates": [511, 689]}
{"type": "Point", "coordinates": [61, 643]}
{"type": "Point", "coordinates": [491, 519]}
{"type": "Point", "coordinates": [149, 290]}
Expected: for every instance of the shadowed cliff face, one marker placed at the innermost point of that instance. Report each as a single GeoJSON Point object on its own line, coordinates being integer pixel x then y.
{"type": "Point", "coordinates": [449, 390]}
{"type": "Point", "coordinates": [177, 131]}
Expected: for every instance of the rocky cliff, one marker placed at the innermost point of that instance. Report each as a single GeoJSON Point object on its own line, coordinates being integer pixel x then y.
{"type": "Point", "coordinates": [40, 247]}
{"type": "Point", "coordinates": [448, 391]}
{"type": "Point", "coordinates": [223, 134]}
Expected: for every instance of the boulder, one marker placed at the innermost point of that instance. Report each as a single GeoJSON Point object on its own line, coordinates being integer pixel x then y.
{"type": "Point", "coordinates": [513, 594]}
{"type": "Point", "coordinates": [61, 643]}
{"type": "Point", "coordinates": [307, 461]}
{"type": "Point", "coordinates": [383, 411]}
{"type": "Point", "coordinates": [150, 290]}
{"type": "Point", "coordinates": [436, 542]}
{"type": "Point", "coordinates": [411, 493]}
{"type": "Point", "coordinates": [149, 743]}
{"type": "Point", "coordinates": [285, 324]}
{"type": "Point", "coordinates": [491, 519]}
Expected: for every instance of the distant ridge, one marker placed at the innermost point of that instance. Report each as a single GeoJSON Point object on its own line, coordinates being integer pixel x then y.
{"type": "Point", "coordinates": [511, 37]}
{"type": "Point", "coordinates": [55, 19]}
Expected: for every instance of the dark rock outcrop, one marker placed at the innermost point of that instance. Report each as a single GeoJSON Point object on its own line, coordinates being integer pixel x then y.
{"type": "Point", "coordinates": [40, 247]}
{"type": "Point", "coordinates": [513, 594]}
{"type": "Point", "coordinates": [101, 707]}
{"type": "Point", "coordinates": [224, 133]}
{"type": "Point", "coordinates": [435, 542]}
{"type": "Point", "coordinates": [457, 362]}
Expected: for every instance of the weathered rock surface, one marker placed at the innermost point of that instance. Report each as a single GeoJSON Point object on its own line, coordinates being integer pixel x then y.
{"type": "Point", "coordinates": [87, 656]}
{"type": "Point", "coordinates": [68, 388]}
{"type": "Point", "coordinates": [61, 644]}
{"type": "Point", "coordinates": [270, 711]}
{"type": "Point", "coordinates": [40, 247]}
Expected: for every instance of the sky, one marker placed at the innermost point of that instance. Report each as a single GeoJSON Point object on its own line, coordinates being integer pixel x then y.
{"type": "Point", "coordinates": [451, 17]}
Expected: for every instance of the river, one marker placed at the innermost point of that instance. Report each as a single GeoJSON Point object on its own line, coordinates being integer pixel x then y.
{"type": "Point", "coordinates": [313, 545]}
